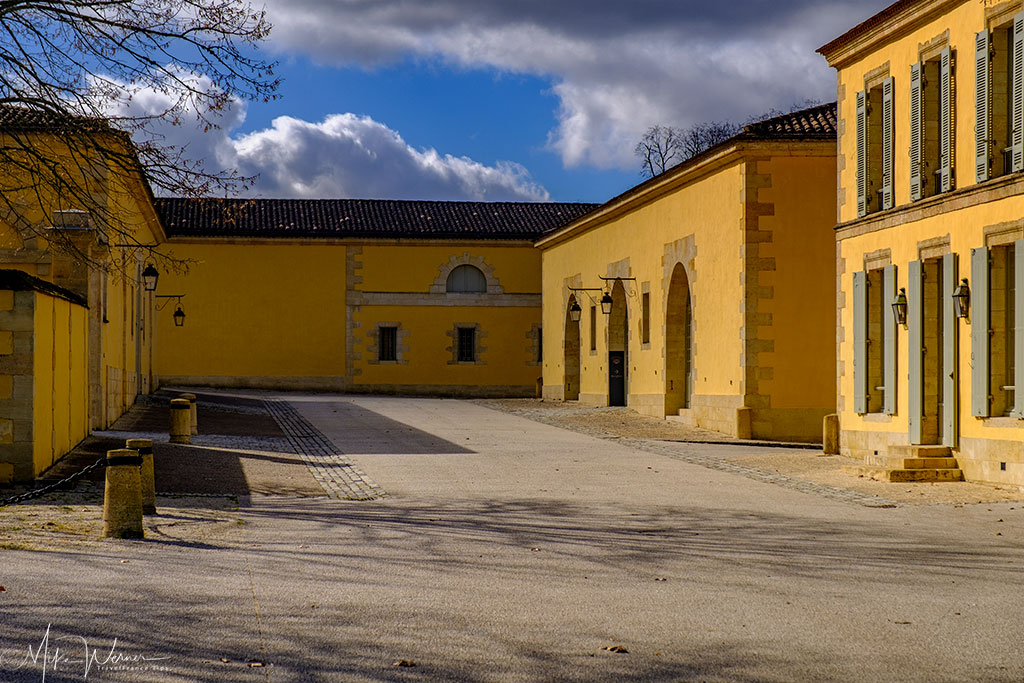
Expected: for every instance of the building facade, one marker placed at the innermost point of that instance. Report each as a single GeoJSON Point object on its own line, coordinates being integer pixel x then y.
{"type": "Point", "coordinates": [76, 324]}
{"type": "Point", "coordinates": [428, 298]}
{"type": "Point", "coordinates": [719, 283]}
{"type": "Point", "coordinates": [930, 200]}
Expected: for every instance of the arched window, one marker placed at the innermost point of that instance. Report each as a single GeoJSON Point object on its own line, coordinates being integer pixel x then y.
{"type": "Point", "coordinates": [466, 279]}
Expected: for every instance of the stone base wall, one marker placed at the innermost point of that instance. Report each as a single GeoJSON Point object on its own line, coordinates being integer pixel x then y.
{"type": "Point", "coordinates": [860, 444]}
{"type": "Point", "coordinates": [723, 414]}
{"type": "Point", "coordinates": [342, 384]}
{"type": "Point", "coordinates": [802, 425]}
{"type": "Point", "coordinates": [17, 388]}
{"type": "Point", "coordinates": [553, 392]}
{"type": "Point", "coordinates": [984, 460]}
{"type": "Point", "coordinates": [652, 405]}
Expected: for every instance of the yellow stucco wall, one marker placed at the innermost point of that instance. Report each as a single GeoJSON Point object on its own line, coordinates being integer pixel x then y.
{"type": "Point", "coordinates": [60, 386]}
{"type": "Point", "coordinates": [309, 324]}
{"type": "Point", "coordinates": [753, 230]}
{"type": "Point", "coordinates": [254, 310]}
{"type": "Point", "coordinates": [965, 217]}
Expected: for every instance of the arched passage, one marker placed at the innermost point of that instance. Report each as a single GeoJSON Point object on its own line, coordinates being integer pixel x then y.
{"type": "Point", "coordinates": [572, 355]}
{"type": "Point", "coordinates": [618, 347]}
{"type": "Point", "coordinates": [678, 343]}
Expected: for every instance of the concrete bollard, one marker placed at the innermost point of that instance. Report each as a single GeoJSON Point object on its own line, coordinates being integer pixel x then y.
{"type": "Point", "coordinates": [181, 421]}
{"type": "Point", "coordinates": [145, 449]}
{"type": "Point", "coordinates": [192, 410]}
{"type": "Point", "coordinates": [830, 436]}
{"type": "Point", "coordinates": [122, 495]}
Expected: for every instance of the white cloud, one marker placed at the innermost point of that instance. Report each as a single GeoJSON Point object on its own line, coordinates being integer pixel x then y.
{"type": "Point", "coordinates": [342, 156]}
{"type": "Point", "coordinates": [617, 67]}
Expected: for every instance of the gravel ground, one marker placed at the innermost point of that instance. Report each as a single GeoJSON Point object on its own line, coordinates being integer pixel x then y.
{"type": "Point", "coordinates": [806, 464]}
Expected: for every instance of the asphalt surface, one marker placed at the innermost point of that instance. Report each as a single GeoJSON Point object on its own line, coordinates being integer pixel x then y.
{"type": "Point", "coordinates": [507, 550]}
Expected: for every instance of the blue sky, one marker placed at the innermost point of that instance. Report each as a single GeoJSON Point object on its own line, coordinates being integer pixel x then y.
{"type": "Point", "coordinates": [509, 100]}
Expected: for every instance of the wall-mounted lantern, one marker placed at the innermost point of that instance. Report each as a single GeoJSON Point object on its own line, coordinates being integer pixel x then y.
{"type": "Point", "coordinates": [574, 312]}
{"type": "Point", "coordinates": [962, 299]}
{"type": "Point", "coordinates": [149, 278]}
{"type": "Point", "coordinates": [179, 312]}
{"type": "Point", "coordinates": [606, 303]}
{"type": "Point", "coordinates": [899, 307]}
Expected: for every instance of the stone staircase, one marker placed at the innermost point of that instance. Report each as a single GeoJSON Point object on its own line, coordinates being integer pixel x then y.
{"type": "Point", "coordinates": [909, 464]}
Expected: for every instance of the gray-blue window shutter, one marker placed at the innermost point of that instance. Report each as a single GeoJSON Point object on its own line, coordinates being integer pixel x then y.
{"type": "Point", "coordinates": [946, 121]}
{"type": "Point", "coordinates": [862, 153]}
{"type": "Point", "coordinates": [888, 142]}
{"type": "Point", "coordinates": [950, 352]}
{"type": "Point", "coordinates": [979, 333]}
{"type": "Point", "coordinates": [1018, 329]}
{"type": "Point", "coordinates": [860, 342]}
{"type": "Point", "coordinates": [915, 343]}
{"type": "Point", "coordinates": [982, 119]}
{"type": "Point", "coordinates": [916, 130]}
{"type": "Point", "coordinates": [1017, 95]}
{"type": "Point", "coordinates": [888, 341]}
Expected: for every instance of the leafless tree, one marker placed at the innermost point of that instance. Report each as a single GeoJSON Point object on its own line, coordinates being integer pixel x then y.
{"type": "Point", "coordinates": [68, 72]}
{"type": "Point", "coordinates": [663, 147]}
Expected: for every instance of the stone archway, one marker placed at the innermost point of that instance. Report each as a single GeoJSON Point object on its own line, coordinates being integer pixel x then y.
{"type": "Point", "coordinates": [572, 355]}
{"type": "Point", "coordinates": [678, 343]}
{"type": "Point", "coordinates": [618, 347]}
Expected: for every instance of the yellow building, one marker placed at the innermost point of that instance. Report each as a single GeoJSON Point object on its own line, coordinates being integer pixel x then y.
{"type": "Point", "coordinates": [930, 200]}
{"type": "Point", "coordinates": [412, 297]}
{"type": "Point", "coordinates": [718, 285]}
{"type": "Point", "coordinates": [76, 326]}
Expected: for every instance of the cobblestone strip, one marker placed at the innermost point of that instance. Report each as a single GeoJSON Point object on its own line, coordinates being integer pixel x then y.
{"type": "Point", "coordinates": [784, 480]}
{"type": "Point", "coordinates": [678, 451]}
{"type": "Point", "coordinates": [338, 475]}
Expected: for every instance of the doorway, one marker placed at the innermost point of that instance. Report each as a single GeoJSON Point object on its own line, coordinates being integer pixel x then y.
{"type": "Point", "coordinates": [678, 343]}
{"type": "Point", "coordinates": [618, 347]}
{"type": "Point", "coordinates": [572, 354]}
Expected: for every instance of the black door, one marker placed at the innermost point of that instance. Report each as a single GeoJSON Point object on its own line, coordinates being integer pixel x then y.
{"type": "Point", "coordinates": [616, 378]}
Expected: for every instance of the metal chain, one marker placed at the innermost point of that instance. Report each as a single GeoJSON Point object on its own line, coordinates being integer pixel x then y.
{"type": "Point", "coordinates": [102, 462]}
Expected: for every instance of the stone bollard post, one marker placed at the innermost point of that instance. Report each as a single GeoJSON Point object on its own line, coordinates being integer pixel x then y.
{"type": "Point", "coordinates": [122, 495]}
{"type": "Point", "coordinates": [191, 398]}
{"type": "Point", "coordinates": [181, 421]}
{"type": "Point", "coordinates": [145, 449]}
{"type": "Point", "coordinates": [830, 436]}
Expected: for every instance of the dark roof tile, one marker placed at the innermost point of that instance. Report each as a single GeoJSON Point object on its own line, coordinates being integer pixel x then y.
{"type": "Point", "coordinates": [816, 122]}
{"type": "Point", "coordinates": [380, 218]}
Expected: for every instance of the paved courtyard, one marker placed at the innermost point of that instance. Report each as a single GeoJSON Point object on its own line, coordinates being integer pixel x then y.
{"type": "Point", "coordinates": [376, 538]}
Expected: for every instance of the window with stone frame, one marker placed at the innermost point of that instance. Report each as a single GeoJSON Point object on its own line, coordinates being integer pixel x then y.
{"type": "Point", "coordinates": [387, 343]}
{"type": "Point", "coordinates": [931, 126]}
{"type": "Point", "coordinates": [466, 345]}
{"type": "Point", "coordinates": [875, 147]}
{"type": "Point", "coordinates": [999, 99]}
{"type": "Point", "coordinates": [1001, 301]}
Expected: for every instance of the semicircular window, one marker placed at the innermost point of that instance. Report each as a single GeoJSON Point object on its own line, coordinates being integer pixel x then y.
{"type": "Point", "coordinates": [467, 280]}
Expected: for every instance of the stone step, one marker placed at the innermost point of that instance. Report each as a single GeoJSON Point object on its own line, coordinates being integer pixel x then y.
{"type": "Point", "coordinates": [896, 462]}
{"type": "Point", "coordinates": [904, 475]}
{"type": "Point", "coordinates": [921, 451]}
{"type": "Point", "coordinates": [685, 418]}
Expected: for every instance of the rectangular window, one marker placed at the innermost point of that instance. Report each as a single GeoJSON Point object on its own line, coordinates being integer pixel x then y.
{"type": "Point", "coordinates": [999, 99]}
{"type": "Point", "coordinates": [467, 345]}
{"type": "Point", "coordinates": [875, 148]}
{"type": "Point", "coordinates": [593, 328]}
{"type": "Point", "coordinates": [1001, 299]}
{"type": "Point", "coordinates": [540, 344]}
{"type": "Point", "coordinates": [645, 321]}
{"type": "Point", "coordinates": [874, 360]}
{"type": "Point", "coordinates": [387, 343]}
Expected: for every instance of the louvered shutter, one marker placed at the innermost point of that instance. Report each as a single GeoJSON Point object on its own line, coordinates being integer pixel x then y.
{"type": "Point", "coordinates": [888, 142]}
{"type": "Point", "coordinates": [979, 332]}
{"type": "Point", "coordinates": [1018, 329]}
{"type": "Point", "coordinates": [982, 119]}
{"type": "Point", "coordinates": [916, 131]}
{"type": "Point", "coordinates": [860, 343]}
{"type": "Point", "coordinates": [950, 352]}
{"type": "Point", "coordinates": [915, 342]}
{"type": "Point", "coordinates": [946, 121]}
{"type": "Point", "coordinates": [888, 341]}
{"type": "Point", "coordinates": [1017, 96]}
{"type": "Point", "coordinates": [862, 153]}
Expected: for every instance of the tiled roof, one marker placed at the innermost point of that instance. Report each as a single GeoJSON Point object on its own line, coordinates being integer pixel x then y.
{"type": "Point", "coordinates": [383, 218]}
{"type": "Point", "coordinates": [816, 122]}
{"type": "Point", "coordinates": [13, 117]}
{"type": "Point", "coordinates": [19, 281]}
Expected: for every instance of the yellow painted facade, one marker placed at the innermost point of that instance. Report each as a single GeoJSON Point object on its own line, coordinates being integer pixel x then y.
{"type": "Point", "coordinates": [730, 256]}
{"type": "Point", "coordinates": [939, 392]}
{"type": "Point", "coordinates": [88, 363]}
{"type": "Point", "coordinates": [304, 314]}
